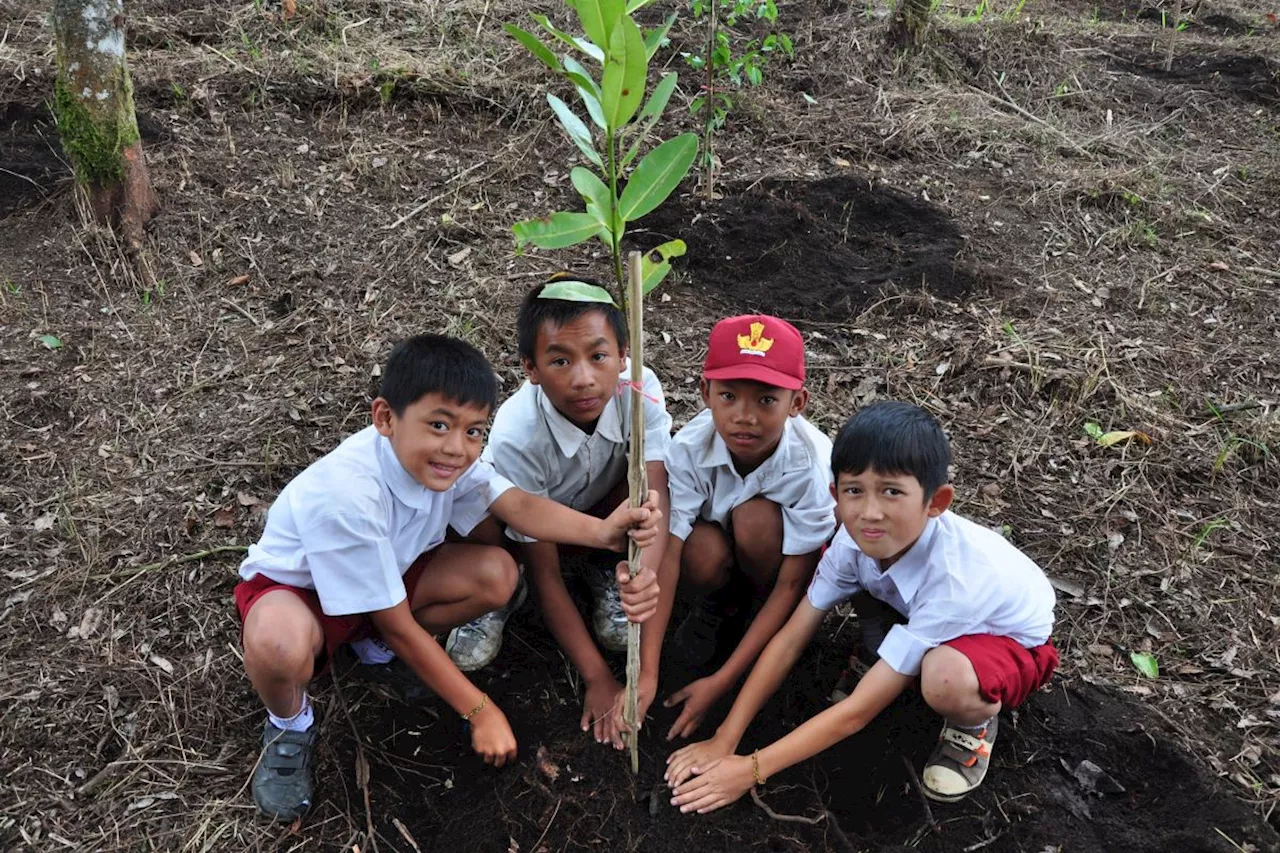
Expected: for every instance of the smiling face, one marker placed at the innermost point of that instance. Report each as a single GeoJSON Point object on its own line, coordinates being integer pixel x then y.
{"type": "Point", "coordinates": [577, 364]}
{"type": "Point", "coordinates": [435, 439]}
{"type": "Point", "coordinates": [750, 416]}
{"type": "Point", "coordinates": [886, 513]}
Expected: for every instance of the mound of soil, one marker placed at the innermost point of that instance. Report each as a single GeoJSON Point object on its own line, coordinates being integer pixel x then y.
{"type": "Point", "coordinates": [581, 797]}
{"type": "Point", "coordinates": [29, 161]}
{"type": "Point", "coordinates": [1253, 79]}
{"type": "Point", "coordinates": [817, 250]}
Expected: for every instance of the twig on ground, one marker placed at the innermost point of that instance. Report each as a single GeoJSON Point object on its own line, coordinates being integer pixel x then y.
{"type": "Point", "coordinates": [547, 828]}
{"type": "Point", "coordinates": [786, 818]}
{"type": "Point", "coordinates": [1030, 116]}
{"type": "Point", "coordinates": [931, 822]}
{"type": "Point", "coordinates": [435, 198]}
{"type": "Point", "coordinates": [177, 561]}
{"type": "Point", "coordinates": [404, 833]}
{"type": "Point", "coordinates": [241, 311]}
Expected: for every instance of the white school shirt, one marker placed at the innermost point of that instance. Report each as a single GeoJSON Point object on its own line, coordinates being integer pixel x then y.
{"type": "Point", "coordinates": [352, 523]}
{"type": "Point", "coordinates": [797, 476]}
{"type": "Point", "coordinates": [959, 578]}
{"type": "Point", "coordinates": [544, 453]}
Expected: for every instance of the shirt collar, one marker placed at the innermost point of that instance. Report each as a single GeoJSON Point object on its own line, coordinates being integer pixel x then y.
{"type": "Point", "coordinates": [406, 489]}
{"type": "Point", "coordinates": [570, 437]}
{"type": "Point", "coordinates": [787, 457]}
{"type": "Point", "coordinates": [908, 572]}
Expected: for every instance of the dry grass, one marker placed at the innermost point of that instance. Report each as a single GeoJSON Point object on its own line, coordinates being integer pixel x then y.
{"type": "Point", "coordinates": [1135, 220]}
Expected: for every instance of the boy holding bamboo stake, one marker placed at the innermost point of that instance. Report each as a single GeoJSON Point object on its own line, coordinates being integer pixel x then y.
{"type": "Point", "coordinates": [564, 435]}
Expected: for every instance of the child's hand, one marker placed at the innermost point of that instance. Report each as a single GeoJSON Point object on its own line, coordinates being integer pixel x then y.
{"type": "Point", "coordinates": [716, 784]}
{"type": "Point", "coordinates": [694, 758]}
{"type": "Point", "coordinates": [641, 523]}
{"type": "Point", "coordinates": [639, 594]}
{"type": "Point", "coordinates": [601, 710]}
{"type": "Point", "coordinates": [491, 736]}
{"type": "Point", "coordinates": [646, 690]}
{"type": "Point", "coordinates": [698, 698]}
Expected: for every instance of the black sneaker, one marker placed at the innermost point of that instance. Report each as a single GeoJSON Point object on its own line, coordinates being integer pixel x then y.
{"type": "Point", "coordinates": [282, 780]}
{"type": "Point", "coordinates": [396, 677]}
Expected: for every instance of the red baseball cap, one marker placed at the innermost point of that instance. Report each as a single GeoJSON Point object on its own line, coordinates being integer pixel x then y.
{"type": "Point", "coordinates": [756, 346]}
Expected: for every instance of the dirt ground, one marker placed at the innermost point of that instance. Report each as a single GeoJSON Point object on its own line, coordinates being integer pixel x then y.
{"type": "Point", "coordinates": [1027, 228]}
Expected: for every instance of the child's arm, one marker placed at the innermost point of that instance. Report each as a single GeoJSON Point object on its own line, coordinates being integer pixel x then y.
{"type": "Point", "coordinates": [779, 656]}
{"type": "Point", "coordinates": [491, 734]}
{"type": "Point", "coordinates": [566, 626]}
{"type": "Point", "coordinates": [545, 520]}
{"type": "Point", "coordinates": [720, 782]}
{"type": "Point", "coordinates": [793, 579]}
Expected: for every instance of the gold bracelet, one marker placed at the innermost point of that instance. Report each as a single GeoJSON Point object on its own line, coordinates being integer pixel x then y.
{"type": "Point", "coordinates": [484, 700]}
{"type": "Point", "coordinates": [755, 768]}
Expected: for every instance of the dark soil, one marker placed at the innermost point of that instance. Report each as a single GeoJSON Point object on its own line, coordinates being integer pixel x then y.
{"type": "Point", "coordinates": [423, 775]}
{"type": "Point", "coordinates": [1253, 79]}
{"type": "Point", "coordinates": [30, 161]}
{"type": "Point", "coordinates": [817, 250]}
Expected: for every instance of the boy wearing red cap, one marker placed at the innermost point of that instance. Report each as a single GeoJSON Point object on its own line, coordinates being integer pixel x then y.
{"type": "Point", "coordinates": [750, 504]}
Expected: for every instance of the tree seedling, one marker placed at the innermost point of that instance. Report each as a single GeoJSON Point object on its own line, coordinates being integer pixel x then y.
{"type": "Point", "coordinates": [613, 103]}
{"type": "Point", "coordinates": [725, 67]}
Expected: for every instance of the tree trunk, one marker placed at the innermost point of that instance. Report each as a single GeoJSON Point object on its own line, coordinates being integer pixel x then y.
{"type": "Point", "coordinates": [910, 23]}
{"type": "Point", "coordinates": [93, 104]}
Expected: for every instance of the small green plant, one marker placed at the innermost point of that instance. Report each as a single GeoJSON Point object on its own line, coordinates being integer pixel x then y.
{"type": "Point", "coordinates": [1205, 532]}
{"type": "Point", "coordinates": [723, 66]}
{"type": "Point", "coordinates": [616, 42]}
{"type": "Point", "coordinates": [1145, 663]}
{"type": "Point", "coordinates": [50, 341]}
{"type": "Point", "coordinates": [11, 287]}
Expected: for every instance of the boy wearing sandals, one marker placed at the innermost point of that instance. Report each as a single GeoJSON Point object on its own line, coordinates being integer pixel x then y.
{"type": "Point", "coordinates": [564, 435]}
{"type": "Point", "coordinates": [978, 614]}
{"type": "Point", "coordinates": [358, 540]}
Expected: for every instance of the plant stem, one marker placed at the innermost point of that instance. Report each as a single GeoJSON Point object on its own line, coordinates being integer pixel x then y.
{"type": "Point", "coordinates": [615, 226]}
{"type": "Point", "coordinates": [708, 106]}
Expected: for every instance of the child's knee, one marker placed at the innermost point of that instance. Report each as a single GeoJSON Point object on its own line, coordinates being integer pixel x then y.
{"type": "Point", "coordinates": [280, 645]}
{"type": "Point", "coordinates": [948, 682]}
{"type": "Point", "coordinates": [496, 575]}
{"type": "Point", "coordinates": [757, 532]}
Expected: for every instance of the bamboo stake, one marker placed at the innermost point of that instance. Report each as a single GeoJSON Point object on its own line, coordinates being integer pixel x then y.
{"type": "Point", "coordinates": [639, 487]}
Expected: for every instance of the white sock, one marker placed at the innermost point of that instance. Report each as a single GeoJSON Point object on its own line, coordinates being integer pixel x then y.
{"type": "Point", "coordinates": [299, 722]}
{"type": "Point", "coordinates": [372, 650]}
{"type": "Point", "coordinates": [974, 729]}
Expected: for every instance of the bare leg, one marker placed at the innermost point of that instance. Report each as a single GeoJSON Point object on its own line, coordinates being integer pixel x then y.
{"type": "Point", "coordinates": [706, 559]}
{"type": "Point", "coordinates": [462, 581]}
{"type": "Point", "coordinates": [950, 687]}
{"type": "Point", "coordinates": [282, 638]}
{"type": "Point", "coordinates": [757, 542]}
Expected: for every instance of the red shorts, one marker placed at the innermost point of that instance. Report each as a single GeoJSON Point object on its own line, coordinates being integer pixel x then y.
{"type": "Point", "coordinates": [1007, 672]}
{"type": "Point", "coordinates": [336, 629]}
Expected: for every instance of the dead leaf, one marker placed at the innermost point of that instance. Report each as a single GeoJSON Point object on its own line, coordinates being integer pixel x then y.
{"type": "Point", "coordinates": [238, 281]}
{"type": "Point", "coordinates": [1117, 436]}
{"type": "Point", "coordinates": [45, 522]}
{"type": "Point", "coordinates": [89, 623]}
{"type": "Point", "coordinates": [224, 518]}
{"type": "Point", "coordinates": [1221, 266]}
{"type": "Point", "coordinates": [17, 598]}
{"type": "Point", "coordinates": [195, 259]}
{"type": "Point", "coordinates": [163, 663]}
{"type": "Point", "coordinates": [548, 768]}
{"type": "Point", "coordinates": [246, 499]}
{"type": "Point", "coordinates": [456, 259]}
{"type": "Point", "coordinates": [1092, 778]}
{"type": "Point", "coordinates": [1071, 588]}
{"type": "Point", "coordinates": [288, 8]}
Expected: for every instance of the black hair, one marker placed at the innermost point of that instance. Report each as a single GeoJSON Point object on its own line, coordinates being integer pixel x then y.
{"type": "Point", "coordinates": [425, 364]}
{"type": "Point", "coordinates": [534, 311]}
{"type": "Point", "coordinates": [893, 438]}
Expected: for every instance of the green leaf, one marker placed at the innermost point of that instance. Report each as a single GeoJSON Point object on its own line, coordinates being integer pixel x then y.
{"type": "Point", "coordinates": [658, 174]}
{"type": "Point", "coordinates": [1145, 664]}
{"type": "Point", "coordinates": [587, 88]}
{"type": "Point", "coordinates": [1092, 430]}
{"type": "Point", "coordinates": [557, 231]}
{"type": "Point", "coordinates": [634, 6]}
{"type": "Point", "coordinates": [535, 46]}
{"type": "Point", "coordinates": [650, 114]}
{"type": "Point", "coordinates": [592, 50]}
{"type": "Point", "coordinates": [622, 84]}
{"type": "Point", "coordinates": [655, 264]}
{"type": "Point", "coordinates": [654, 38]}
{"type": "Point", "coordinates": [594, 193]}
{"type": "Point", "coordinates": [598, 17]}
{"type": "Point", "coordinates": [50, 341]}
{"type": "Point", "coordinates": [577, 291]}
{"type": "Point", "coordinates": [576, 129]}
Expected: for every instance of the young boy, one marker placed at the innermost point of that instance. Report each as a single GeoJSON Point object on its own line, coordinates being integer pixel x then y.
{"type": "Point", "coordinates": [564, 435]}
{"type": "Point", "coordinates": [751, 502]}
{"type": "Point", "coordinates": [978, 612]}
{"type": "Point", "coordinates": [359, 537]}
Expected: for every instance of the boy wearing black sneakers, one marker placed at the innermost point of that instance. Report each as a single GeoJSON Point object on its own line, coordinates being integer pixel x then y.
{"type": "Point", "coordinates": [357, 540]}
{"type": "Point", "coordinates": [751, 504]}
{"type": "Point", "coordinates": [978, 614]}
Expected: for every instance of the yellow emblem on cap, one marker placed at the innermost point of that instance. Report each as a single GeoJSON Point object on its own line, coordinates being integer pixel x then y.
{"type": "Point", "coordinates": [755, 343]}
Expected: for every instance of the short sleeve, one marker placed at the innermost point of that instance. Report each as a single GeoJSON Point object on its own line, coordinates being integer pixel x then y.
{"type": "Point", "coordinates": [809, 523]}
{"type": "Point", "coordinates": [837, 576]}
{"type": "Point", "coordinates": [686, 494]}
{"type": "Point", "coordinates": [657, 422]}
{"type": "Point", "coordinates": [350, 557]}
{"type": "Point", "coordinates": [525, 470]}
{"type": "Point", "coordinates": [477, 488]}
{"type": "Point", "coordinates": [905, 646]}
